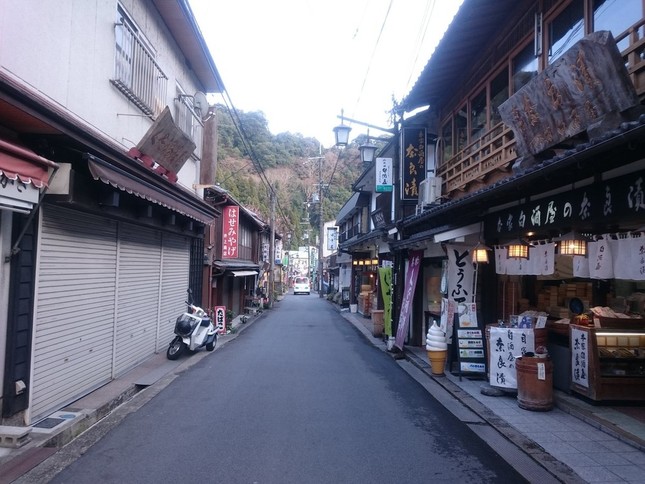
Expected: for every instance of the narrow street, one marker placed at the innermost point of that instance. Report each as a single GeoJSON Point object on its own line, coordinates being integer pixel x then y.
{"type": "Point", "coordinates": [299, 397]}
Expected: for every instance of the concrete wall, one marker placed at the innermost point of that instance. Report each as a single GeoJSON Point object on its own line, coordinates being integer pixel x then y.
{"type": "Point", "coordinates": [66, 50]}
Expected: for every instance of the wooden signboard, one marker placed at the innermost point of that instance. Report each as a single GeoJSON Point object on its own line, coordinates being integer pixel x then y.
{"type": "Point", "coordinates": [589, 81]}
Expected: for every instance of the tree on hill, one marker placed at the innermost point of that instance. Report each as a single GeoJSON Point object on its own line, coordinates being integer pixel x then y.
{"type": "Point", "coordinates": [248, 154]}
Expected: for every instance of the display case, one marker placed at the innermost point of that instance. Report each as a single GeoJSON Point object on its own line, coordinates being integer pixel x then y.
{"type": "Point", "coordinates": [608, 362]}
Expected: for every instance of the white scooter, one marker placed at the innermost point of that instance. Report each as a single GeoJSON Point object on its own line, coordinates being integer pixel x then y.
{"type": "Point", "coordinates": [194, 330]}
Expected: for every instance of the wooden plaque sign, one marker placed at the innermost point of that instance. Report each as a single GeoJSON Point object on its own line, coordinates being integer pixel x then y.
{"type": "Point", "coordinates": [576, 91]}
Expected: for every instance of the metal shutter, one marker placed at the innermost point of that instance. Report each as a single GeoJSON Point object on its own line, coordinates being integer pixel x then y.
{"type": "Point", "coordinates": [74, 314]}
{"type": "Point", "coordinates": [174, 283]}
{"type": "Point", "coordinates": [139, 256]}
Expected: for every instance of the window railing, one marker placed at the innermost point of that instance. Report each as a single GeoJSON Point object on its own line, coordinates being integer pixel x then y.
{"type": "Point", "coordinates": [494, 152]}
{"type": "Point", "coordinates": [634, 54]}
{"type": "Point", "coordinates": [137, 75]}
{"type": "Point", "coordinates": [189, 122]}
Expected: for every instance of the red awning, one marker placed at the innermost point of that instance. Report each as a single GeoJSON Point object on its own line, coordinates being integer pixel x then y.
{"type": "Point", "coordinates": [19, 163]}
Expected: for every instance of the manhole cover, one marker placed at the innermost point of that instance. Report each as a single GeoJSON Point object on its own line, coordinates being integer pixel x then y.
{"type": "Point", "coordinates": [49, 423]}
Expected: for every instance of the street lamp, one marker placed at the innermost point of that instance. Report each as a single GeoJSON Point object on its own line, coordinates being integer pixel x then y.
{"type": "Point", "coordinates": [368, 150]}
{"type": "Point", "coordinates": [341, 132]}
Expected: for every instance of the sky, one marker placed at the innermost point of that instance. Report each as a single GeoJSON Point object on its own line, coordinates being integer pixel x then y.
{"type": "Point", "coordinates": [301, 62]}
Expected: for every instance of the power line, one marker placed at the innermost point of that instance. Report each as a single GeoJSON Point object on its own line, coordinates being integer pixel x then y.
{"type": "Point", "coordinates": [369, 65]}
{"type": "Point", "coordinates": [237, 122]}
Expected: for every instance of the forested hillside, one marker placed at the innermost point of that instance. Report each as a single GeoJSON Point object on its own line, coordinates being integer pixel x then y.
{"type": "Point", "coordinates": [248, 154]}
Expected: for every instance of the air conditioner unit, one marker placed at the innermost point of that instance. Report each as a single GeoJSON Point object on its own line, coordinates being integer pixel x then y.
{"type": "Point", "coordinates": [429, 190]}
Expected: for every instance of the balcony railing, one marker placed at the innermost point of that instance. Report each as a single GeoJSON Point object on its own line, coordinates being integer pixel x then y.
{"type": "Point", "coordinates": [634, 54]}
{"type": "Point", "coordinates": [136, 73]}
{"type": "Point", "coordinates": [490, 158]}
{"type": "Point", "coordinates": [494, 151]}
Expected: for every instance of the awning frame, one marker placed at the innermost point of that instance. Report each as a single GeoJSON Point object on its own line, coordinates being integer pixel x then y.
{"type": "Point", "coordinates": [133, 185]}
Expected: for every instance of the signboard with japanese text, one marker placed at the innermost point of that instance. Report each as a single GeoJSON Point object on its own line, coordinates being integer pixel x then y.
{"type": "Point", "coordinates": [461, 272]}
{"type": "Point", "coordinates": [579, 357]}
{"type": "Point", "coordinates": [385, 278]}
{"type": "Point", "coordinates": [610, 201]}
{"type": "Point", "coordinates": [383, 171]}
{"type": "Point", "coordinates": [506, 344]}
{"type": "Point", "coordinates": [588, 81]}
{"type": "Point", "coordinates": [415, 259]}
{"type": "Point", "coordinates": [332, 238]}
{"type": "Point", "coordinates": [230, 232]}
{"type": "Point", "coordinates": [166, 143]}
{"type": "Point", "coordinates": [220, 319]}
{"type": "Point", "coordinates": [413, 161]}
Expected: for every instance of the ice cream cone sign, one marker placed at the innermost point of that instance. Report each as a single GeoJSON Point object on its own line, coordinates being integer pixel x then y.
{"type": "Point", "coordinates": [437, 348]}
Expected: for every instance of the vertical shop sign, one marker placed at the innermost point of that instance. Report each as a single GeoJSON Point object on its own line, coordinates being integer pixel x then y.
{"type": "Point", "coordinates": [408, 293]}
{"type": "Point", "coordinates": [383, 175]}
{"type": "Point", "coordinates": [461, 271]}
{"type": "Point", "coordinates": [230, 231]}
{"type": "Point", "coordinates": [385, 277]}
{"type": "Point", "coordinates": [507, 344]}
{"type": "Point", "coordinates": [579, 357]}
{"type": "Point", "coordinates": [332, 238]}
{"type": "Point", "coordinates": [220, 319]}
{"type": "Point", "coordinates": [413, 167]}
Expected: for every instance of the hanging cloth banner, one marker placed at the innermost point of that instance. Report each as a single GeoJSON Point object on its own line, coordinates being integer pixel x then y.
{"type": "Point", "coordinates": [385, 277]}
{"type": "Point", "coordinates": [408, 293]}
{"type": "Point", "coordinates": [461, 271]}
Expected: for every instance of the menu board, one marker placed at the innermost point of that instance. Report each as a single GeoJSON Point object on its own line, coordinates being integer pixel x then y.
{"type": "Point", "coordinates": [470, 342]}
{"type": "Point", "coordinates": [507, 344]}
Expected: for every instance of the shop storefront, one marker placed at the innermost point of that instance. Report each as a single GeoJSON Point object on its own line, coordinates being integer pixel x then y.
{"type": "Point", "coordinates": [584, 269]}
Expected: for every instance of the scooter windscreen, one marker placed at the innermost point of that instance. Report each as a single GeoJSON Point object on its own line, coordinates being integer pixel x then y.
{"type": "Point", "coordinates": [185, 325]}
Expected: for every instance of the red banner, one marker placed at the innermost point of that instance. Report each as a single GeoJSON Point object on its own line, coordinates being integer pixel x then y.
{"type": "Point", "coordinates": [408, 294]}
{"type": "Point", "coordinates": [230, 231]}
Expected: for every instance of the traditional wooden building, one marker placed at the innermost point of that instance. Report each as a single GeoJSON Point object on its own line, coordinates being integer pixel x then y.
{"type": "Point", "coordinates": [536, 109]}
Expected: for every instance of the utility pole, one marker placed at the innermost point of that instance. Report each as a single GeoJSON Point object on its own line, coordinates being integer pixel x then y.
{"type": "Point", "coordinates": [272, 250]}
{"type": "Point", "coordinates": [321, 222]}
{"type": "Point", "coordinates": [321, 242]}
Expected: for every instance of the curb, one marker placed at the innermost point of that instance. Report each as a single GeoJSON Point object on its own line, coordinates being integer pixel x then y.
{"type": "Point", "coordinates": [557, 469]}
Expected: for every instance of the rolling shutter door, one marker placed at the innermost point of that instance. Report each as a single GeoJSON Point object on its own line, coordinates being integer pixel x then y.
{"type": "Point", "coordinates": [73, 329]}
{"type": "Point", "coordinates": [174, 284]}
{"type": "Point", "coordinates": [137, 295]}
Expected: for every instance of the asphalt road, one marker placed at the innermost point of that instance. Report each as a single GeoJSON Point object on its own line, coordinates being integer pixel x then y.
{"type": "Point", "coordinates": [299, 397]}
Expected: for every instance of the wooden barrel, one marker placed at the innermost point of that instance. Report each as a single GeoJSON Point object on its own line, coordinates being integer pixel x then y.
{"type": "Point", "coordinates": [534, 383]}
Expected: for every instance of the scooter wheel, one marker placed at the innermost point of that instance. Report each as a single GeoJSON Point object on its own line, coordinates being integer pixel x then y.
{"type": "Point", "coordinates": [210, 346]}
{"type": "Point", "coordinates": [176, 348]}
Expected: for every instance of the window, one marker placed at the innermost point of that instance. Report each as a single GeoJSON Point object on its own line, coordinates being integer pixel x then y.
{"type": "Point", "coordinates": [498, 94]}
{"type": "Point", "coordinates": [136, 74]}
{"type": "Point", "coordinates": [616, 16]}
{"type": "Point", "coordinates": [188, 120]}
{"type": "Point", "coordinates": [525, 67]}
{"type": "Point", "coordinates": [566, 29]}
{"type": "Point", "coordinates": [478, 115]}
{"type": "Point", "coordinates": [446, 137]}
{"type": "Point", "coordinates": [461, 127]}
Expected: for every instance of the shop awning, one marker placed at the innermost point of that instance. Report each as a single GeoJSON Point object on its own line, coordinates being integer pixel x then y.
{"type": "Point", "coordinates": [244, 273]}
{"type": "Point", "coordinates": [128, 183]}
{"type": "Point", "coordinates": [19, 163]}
